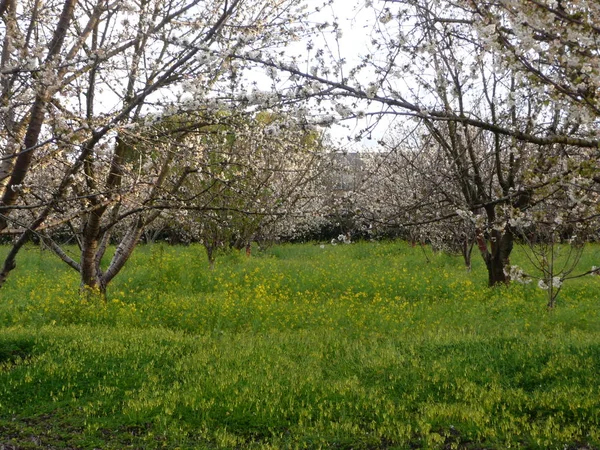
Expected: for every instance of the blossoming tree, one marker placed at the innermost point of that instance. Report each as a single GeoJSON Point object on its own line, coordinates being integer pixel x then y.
{"type": "Point", "coordinates": [75, 88]}
{"type": "Point", "coordinates": [506, 90]}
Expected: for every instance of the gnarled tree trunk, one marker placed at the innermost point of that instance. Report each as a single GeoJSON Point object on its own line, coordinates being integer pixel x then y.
{"type": "Point", "coordinates": [497, 255]}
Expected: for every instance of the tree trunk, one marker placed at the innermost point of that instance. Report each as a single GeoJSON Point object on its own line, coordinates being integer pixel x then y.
{"type": "Point", "coordinates": [496, 275]}
{"type": "Point", "coordinates": [497, 258]}
{"type": "Point", "coordinates": [466, 249]}
{"type": "Point", "coordinates": [9, 264]}
{"type": "Point", "coordinates": [89, 247]}
{"type": "Point", "coordinates": [122, 253]}
{"type": "Point", "coordinates": [210, 253]}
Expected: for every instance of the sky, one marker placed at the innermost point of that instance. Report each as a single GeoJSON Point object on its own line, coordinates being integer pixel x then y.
{"type": "Point", "coordinates": [356, 23]}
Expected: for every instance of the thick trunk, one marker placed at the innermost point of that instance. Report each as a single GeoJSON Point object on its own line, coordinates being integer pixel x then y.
{"type": "Point", "coordinates": [89, 272]}
{"type": "Point", "coordinates": [93, 278]}
{"type": "Point", "coordinates": [496, 275]}
{"type": "Point", "coordinates": [89, 248]}
{"type": "Point", "coordinates": [95, 240]}
{"type": "Point", "coordinates": [497, 257]}
{"type": "Point", "coordinates": [23, 160]}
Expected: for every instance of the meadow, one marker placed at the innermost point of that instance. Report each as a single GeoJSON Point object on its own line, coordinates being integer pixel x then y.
{"type": "Point", "coordinates": [361, 346]}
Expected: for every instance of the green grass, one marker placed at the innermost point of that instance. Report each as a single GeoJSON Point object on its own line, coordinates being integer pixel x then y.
{"type": "Point", "coordinates": [361, 346]}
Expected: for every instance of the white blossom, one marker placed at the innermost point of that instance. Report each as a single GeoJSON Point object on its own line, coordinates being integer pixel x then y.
{"type": "Point", "coordinates": [372, 90]}
{"type": "Point", "coordinates": [386, 17]}
{"type": "Point", "coordinates": [515, 273]}
{"type": "Point", "coordinates": [343, 110]}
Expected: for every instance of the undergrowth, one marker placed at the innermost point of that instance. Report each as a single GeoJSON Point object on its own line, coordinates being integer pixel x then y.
{"type": "Point", "coordinates": [357, 346]}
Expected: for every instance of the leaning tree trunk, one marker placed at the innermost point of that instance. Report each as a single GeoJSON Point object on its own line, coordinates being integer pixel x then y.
{"type": "Point", "coordinates": [497, 255]}
{"type": "Point", "coordinates": [122, 254]}
{"type": "Point", "coordinates": [10, 262]}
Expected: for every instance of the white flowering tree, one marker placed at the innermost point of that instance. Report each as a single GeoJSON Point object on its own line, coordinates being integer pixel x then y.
{"type": "Point", "coordinates": [76, 87]}
{"type": "Point", "coordinates": [551, 43]}
{"type": "Point", "coordinates": [451, 166]}
{"type": "Point", "coordinates": [409, 191]}
{"type": "Point", "coordinates": [251, 175]}
{"type": "Point", "coordinates": [507, 92]}
{"type": "Point", "coordinates": [217, 179]}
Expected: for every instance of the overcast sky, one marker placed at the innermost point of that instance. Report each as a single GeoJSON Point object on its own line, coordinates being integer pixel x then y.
{"type": "Point", "coordinates": [356, 23]}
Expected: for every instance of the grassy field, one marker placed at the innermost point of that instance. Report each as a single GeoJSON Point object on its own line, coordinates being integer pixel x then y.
{"type": "Point", "coordinates": [361, 346]}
